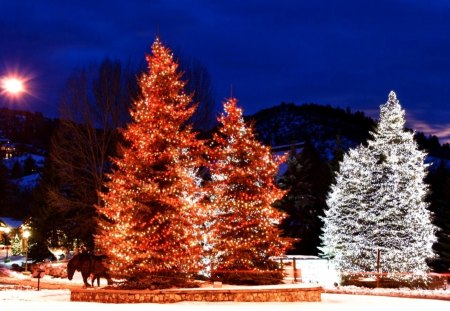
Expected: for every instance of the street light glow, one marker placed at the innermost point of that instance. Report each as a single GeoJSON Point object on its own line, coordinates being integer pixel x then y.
{"type": "Point", "coordinates": [13, 85]}
{"type": "Point", "coordinates": [26, 234]}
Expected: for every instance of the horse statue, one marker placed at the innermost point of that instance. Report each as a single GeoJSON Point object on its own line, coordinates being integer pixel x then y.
{"type": "Point", "coordinates": [91, 266]}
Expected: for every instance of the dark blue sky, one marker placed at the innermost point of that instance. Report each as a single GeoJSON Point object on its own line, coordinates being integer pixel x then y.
{"type": "Point", "coordinates": [347, 53]}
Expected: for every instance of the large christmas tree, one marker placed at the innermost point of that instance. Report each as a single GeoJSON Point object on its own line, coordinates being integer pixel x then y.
{"type": "Point", "coordinates": [244, 224]}
{"type": "Point", "coordinates": [149, 222]}
{"type": "Point", "coordinates": [405, 233]}
{"type": "Point", "coordinates": [378, 204]}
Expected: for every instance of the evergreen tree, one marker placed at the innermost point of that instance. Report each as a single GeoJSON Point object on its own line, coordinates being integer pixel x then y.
{"type": "Point", "coordinates": [338, 155]}
{"type": "Point", "coordinates": [440, 206]}
{"type": "Point", "coordinates": [244, 224]}
{"type": "Point", "coordinates": [378, 204]}
{"type": "Point", "coordinates": [29, 166]}
{"type": "Point", "coordinates": [149, 222]}
{"type": "Point", "coordinates": [345, 234]}
{"type": "Point", "coordinates": [16, 171]}
{"type": "Point", "coordinates": [5, 185]}
{"type": "Point", "coordinates": [405, 233]}
{"type": "Point", "coordinates": [16, 246]}
{"type": "Point", "coordinates": [306, 181]}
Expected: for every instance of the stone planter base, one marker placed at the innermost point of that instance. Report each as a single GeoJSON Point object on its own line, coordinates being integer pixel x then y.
{"type": "Point", "coordinates": [249, 294]}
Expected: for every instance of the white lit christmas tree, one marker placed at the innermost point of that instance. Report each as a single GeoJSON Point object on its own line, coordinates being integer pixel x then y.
{"type": "Point", "coordinates": [347, 227]}
{"type": "Point", "coordinates": [405, 233]}
{"type": "Point", "coordinates": [378, 204]}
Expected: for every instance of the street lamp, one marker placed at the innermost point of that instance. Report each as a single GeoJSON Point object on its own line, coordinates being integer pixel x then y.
{"type": "Point", "coordinates": [13, 85]}
{"type": "Point", "coordinates": [6, 231]}
{"type": "Point", "coordinates": [26, 234]}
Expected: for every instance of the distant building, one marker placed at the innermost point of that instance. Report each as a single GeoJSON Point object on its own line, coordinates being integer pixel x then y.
{"type": "Point", "coordinates": [7, 149]}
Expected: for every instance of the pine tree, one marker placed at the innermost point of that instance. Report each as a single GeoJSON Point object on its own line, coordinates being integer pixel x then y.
{"type": "Point", "coordinates": [306, 181]}
{"type": "Point", "coordinates": [16, 246]}
{"type": "Point", "coordinates": [346, 235]}
{"type": "Point", "coordinates": [405, 233]}
{"type": "Point", "coordinates": [378, 204]}
{"type": "Point", "coordinates": [17, 170]}
{"type": "Point", "coordinates": [29, 166]}
{"type": "Point", "coordinates": [440, 206]}
{"type": "Point", "coordinates": [150, 227]}
{"type": "Point", "coordinates": [244, 225]}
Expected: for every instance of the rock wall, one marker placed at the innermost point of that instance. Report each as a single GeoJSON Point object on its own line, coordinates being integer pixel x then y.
{"type": "Point", "coordinates": [205, 295]}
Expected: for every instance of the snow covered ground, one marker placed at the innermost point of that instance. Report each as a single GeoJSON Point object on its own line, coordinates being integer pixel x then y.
{"type": "Point", "coordinates": [21, 297]}
{"type": "Point", "coordinates": [60, 300]}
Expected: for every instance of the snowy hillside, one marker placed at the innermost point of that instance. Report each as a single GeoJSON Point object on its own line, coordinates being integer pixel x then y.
{"type": "Point", "coordinates": [28, 182]}
{"type": "Point", "coordinates": [38, 159]}
{"type": "Point", "coordinates": [327, 128]}
{"type": "Point", "coordinates": [324, 126]}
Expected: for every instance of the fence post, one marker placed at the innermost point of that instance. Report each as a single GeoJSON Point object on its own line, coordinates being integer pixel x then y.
{"type": "Point", "coordinates": [294, 266]}
{"type": "Point", "coordinates": [378, 267]}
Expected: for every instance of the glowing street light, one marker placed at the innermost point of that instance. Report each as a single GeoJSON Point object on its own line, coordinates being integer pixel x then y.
{"type": "Point", "coordinates": [13, 85]}
{"type": "Point", "coordinates": [6, 231]}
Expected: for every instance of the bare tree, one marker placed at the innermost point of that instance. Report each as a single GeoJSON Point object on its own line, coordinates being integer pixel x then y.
{"type": "Point", "coordinates": [199, 84]}
{"type": "Point", "coordinates": [93, 106]}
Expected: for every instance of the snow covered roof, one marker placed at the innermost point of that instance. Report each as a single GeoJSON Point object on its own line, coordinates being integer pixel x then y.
{"type": "Point", "coordinates": [12, 222]}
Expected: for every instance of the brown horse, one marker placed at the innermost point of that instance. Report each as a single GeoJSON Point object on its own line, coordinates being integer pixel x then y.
{"type": "Point", "coordinates": [99, 270]}
{"type": "Point", "coordinates": [90, 266]}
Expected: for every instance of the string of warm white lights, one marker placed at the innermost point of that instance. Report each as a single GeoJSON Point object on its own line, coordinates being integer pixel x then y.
{"type": "Point", "coordinates": [244, 226]}
{"type": "Point", "coordinates": [157, 218]}
{"type": "Point", "coordinates": [149, 217]}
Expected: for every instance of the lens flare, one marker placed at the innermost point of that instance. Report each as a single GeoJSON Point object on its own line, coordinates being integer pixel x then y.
{"type": "Point", "coordinates": [13, 85]}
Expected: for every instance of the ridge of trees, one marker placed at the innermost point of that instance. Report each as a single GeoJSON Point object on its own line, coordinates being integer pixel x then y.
{"type": "Point", "coordinates": [305, 120]}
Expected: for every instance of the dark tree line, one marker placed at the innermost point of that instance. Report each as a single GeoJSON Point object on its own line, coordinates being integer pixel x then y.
{"type": "Point", "coordinates": [439, 181]}
{"type": "Point", "coordinates": [306, 181]}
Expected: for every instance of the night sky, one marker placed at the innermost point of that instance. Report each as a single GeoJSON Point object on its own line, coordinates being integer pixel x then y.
{"type": "Point", "coordinates": [339, 53]}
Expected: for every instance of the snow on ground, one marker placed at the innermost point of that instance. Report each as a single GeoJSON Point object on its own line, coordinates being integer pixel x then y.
{"type": "Point", "coordinates": [28, 182]}
{"type": "Point", "coordinates": [60, 300]}
{"type": "Point", "coordinates": [21, 297]}
{"type": "Point", "coordinates": [38, 159]}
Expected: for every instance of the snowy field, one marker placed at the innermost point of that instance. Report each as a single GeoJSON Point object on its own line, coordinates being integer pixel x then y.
{"type": "Point", "coordinates": [29, 298]}
{"type": "Point", "coordinates": [60, 300]}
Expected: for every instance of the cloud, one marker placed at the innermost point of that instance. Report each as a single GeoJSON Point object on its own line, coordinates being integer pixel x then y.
{"type": "Point", "coordinates": [441, 131]}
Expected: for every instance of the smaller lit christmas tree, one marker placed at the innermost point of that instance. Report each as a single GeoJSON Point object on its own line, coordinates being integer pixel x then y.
{"type": "Point", "coordinates": [16, 246]}
{"type": "Point", "coordinates": [245, 232]}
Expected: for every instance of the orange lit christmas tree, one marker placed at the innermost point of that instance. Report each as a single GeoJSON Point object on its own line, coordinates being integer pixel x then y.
{"type": "Point", "coordinates": [149, 222]}
{"type": "Point", "coordinates": [244, 224]}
